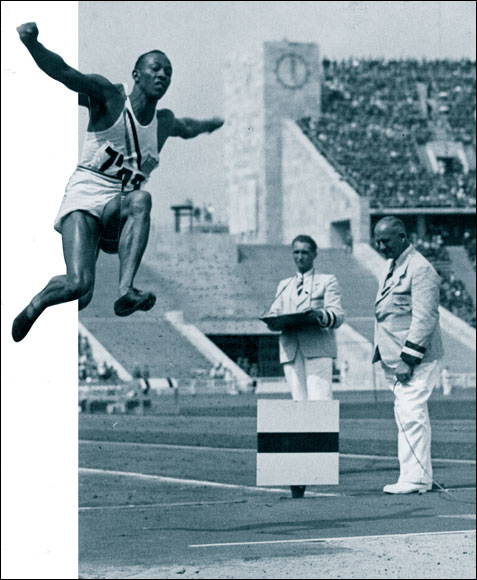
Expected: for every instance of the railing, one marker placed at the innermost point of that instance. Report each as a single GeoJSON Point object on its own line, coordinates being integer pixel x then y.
{"type": "Point", "coordinates": [111, 398]}
{"type": "Point", "coordinates": [462, 380]}
{"type": "Point", "coordinates": [205, 385]}
{"type": "Point", "coordinates": [121, 399]}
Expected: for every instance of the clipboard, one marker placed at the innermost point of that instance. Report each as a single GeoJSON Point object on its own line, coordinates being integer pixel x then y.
{"type": "Point", "coordinates": [292, 320]}
{"type": "Point", "coordinates": [286, 321]}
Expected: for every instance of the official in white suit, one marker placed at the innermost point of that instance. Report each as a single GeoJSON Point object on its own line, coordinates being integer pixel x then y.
{"type": "Point", "coordinates": [307, 352]}
{"type": "Point", "coordinates": [408, 344]}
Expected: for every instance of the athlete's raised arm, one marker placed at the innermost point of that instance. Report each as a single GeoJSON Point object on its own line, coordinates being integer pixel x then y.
{"type": "Point", "coordinates": [54, 66]}
{"type": "Point", "coordinates": [188, 128]}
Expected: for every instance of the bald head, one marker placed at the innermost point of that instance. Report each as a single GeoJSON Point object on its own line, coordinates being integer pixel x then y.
{"type": "Point", "coordinates": [393, 223]}
{"type": "Point", "coordinates": [391, 237]}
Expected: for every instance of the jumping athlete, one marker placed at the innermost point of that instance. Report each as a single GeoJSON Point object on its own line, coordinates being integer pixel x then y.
{"type": "Point", "coordinates": [105, 205]}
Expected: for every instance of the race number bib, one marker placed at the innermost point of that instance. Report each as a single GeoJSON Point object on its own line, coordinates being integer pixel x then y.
{"type": "Point", "coordinates": [114, 164]}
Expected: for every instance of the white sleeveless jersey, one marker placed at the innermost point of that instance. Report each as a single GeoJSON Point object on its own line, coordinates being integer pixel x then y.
{"type": "Point", "coordinates": [127, 151]}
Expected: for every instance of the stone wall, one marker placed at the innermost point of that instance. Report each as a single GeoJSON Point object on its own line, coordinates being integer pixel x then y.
{"type": "Point", "coordinates": [314, 195]}
{"type": "Point", "coordinates": [256, 101]}
{"type": "Point", "coordinates": [244, 137]}
{"type": "Point", "coordinates": [285, 102]}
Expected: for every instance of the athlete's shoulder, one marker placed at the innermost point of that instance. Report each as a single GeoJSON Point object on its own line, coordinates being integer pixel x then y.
{"type": "Point", "coordinates": [115, 94]}
{"type": "Point", "coordinates": [121, 88]}
{"type": "Point", "coordinates": [102, 81]}
{"type": "Point", "coordinates": [165, 115]}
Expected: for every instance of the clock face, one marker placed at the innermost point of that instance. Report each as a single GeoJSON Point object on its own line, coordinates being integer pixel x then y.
{"type": "Point", "coordinates": [292, 71]}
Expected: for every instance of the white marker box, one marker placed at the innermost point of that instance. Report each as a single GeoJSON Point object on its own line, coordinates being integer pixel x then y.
{"type": "Point", "coordinates": [297, 442]}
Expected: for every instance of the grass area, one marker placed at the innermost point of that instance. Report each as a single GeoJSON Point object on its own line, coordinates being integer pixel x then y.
{"type": "Point", "coordinates": [367, 426]}
{"type": "Point", "coordinates": [355, 405]}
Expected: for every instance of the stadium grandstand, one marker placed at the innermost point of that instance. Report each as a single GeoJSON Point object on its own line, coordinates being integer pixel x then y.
{"type": "Point", "coordinates": [382, 114]}
{"type": "Point", "coordinates": [319, 147]}
{"type": "Point", "coordinates": [378, 115]}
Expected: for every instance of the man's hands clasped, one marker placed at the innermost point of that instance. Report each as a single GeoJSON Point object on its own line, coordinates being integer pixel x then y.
{"type": "Point", "coordinates": [403, 372]}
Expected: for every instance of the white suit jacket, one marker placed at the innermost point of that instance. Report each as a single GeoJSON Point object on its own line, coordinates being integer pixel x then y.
{"type": "Point", "coordinates": [407, 314]}
{"type": "Point", "coordinates": [320, 292]}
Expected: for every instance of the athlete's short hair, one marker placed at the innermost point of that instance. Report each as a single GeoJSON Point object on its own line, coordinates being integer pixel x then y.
{"type": "Point", "coordinates": [306, 240]}
{"type": "Point", "coordinates": [142, 58]}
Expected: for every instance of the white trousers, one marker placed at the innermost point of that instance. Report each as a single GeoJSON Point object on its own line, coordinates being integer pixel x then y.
{"type": "Point", "coordinates": [412, 419]}
{"type": "Point", "coordinates": [309, 379]}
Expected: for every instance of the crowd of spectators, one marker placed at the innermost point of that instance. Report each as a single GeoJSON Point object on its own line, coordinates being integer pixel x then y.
{"type": "Point", "coordinates": [373, 121]}
{"type": "Point", "coordinates": [88, 370]}
{"type": "Point", "coordinates": [431, 246]}
{"type": "Point", "coordinates": [455, 298]}
{"type": "Point", "coordinates": [454, 295]}
{"type": "Point", "coordinates": [469, 242]}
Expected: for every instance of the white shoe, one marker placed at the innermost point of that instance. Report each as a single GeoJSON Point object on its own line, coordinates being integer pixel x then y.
{"type": "Point", "coordinates": [403, 487]}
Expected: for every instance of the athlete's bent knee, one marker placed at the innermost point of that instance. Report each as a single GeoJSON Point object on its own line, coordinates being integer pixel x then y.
{"type": "Point", "coordinates": [140, 201]}
{"type": "Point", "coordinates": [78, 286]}
{"type": "Point", "coordinates": [85, 299]}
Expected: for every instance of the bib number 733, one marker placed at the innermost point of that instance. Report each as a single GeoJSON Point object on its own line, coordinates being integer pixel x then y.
{"type": "Point", "coordinates": [127, 176]}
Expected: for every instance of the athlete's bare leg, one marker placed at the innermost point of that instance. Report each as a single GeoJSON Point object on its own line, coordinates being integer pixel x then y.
{"type": "Point", "coordinates": [84, 300]}
{"type": "Point", "coordinates": [80, 234]}
{"type": "Point", "coordinates": [129, 217]}
{"type": "Point", "coordinates": [136, 206]}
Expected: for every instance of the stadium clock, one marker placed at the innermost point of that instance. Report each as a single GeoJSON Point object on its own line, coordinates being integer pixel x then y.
{"type": "Point", "coordinates": [292, 70]}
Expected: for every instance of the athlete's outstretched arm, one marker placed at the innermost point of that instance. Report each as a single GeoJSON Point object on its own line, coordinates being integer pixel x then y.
{"type": "Point", "coordinates": [55, 67]}
{"type": "Point", "coordinates": [189, 128]}
{"type": "Point", "coordinates": [83, 100]}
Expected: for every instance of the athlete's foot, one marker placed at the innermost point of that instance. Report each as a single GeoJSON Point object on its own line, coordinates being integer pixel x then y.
{"type": "Point", "coordinates": [23, 323]}
{"type": "Point", "coordinates": [134, 300]}
{"type": "Point", "coordinates": [149, 304]}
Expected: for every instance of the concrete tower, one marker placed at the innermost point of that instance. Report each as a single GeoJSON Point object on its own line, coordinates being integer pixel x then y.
{"type": "Point", "coordinates": [276, 81]}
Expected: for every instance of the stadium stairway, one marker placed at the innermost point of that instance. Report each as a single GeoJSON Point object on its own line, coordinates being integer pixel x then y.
{"type": "Point", "coordinates": [212, 280]}
{"type": "Point", "coordinates": [202, 271]}
{"type": "Point", "coordinates": [145, 338]}
{"type": "Point", "coordinates": [266, 265]}
{"type": "Point", "coordinates": [462, 268]}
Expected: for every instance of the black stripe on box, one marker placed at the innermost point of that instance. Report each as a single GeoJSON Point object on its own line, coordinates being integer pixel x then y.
{"type": "Point", "coordinates": [298, 442]}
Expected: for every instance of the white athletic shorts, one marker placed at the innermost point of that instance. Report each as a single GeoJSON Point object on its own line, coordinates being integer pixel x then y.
{"type": "Point", "coordinates": [87, 191]}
